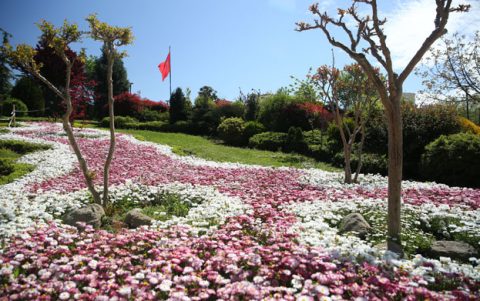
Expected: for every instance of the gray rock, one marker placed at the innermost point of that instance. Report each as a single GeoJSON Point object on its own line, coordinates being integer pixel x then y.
{"type": "Point", "coordinates": [454, 249]}
{"type": "Point", "coordinates": [355, 222]}
{"type": "Point", "coordinates": [135, 218]}
{"type": "Point", "coordinates": [91, 215]}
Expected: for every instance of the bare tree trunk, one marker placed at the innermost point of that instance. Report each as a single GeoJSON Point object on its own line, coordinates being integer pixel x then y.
{"type": "Point", "coordinates": [360, 153]}
{"type": "Point", "coordinates": [348, 168]}
{"type": "Point", "coordinates": [111, 150]}
{"type": "Point", "coordinates": [395, 166]}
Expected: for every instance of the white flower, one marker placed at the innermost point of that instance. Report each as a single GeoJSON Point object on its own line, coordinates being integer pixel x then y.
{"type": "Point", "coordinates": [125, 291]}
{"type": "Point", "coordinates": [165, 285]}
{"type": "Point", "coordinates": [64, 296]}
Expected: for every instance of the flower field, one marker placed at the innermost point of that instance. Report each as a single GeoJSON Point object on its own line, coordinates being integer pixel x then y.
{"type": "Point", "coordinates": [251, 233]}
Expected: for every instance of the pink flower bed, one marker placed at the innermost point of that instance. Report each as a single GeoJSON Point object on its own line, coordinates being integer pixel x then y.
{"type": "Point", "coordinates": [250, 257]}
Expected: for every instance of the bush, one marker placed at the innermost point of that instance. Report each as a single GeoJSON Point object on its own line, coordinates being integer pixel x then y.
{"type": "Point", "coordinates": [333, 134]}
{"type": "Point", "coordinates": [21, 147]}
{"type": "Point", "coordinates": [468, 126]}
{"type": "Point", "coordinates": [30, 93]}
{"type": "Point", "coordinates": [6, 167]}
{"type": "Point", "coordinates": [295, 141]}
{"type": "Point", "coordinates": [129, 104]}
{"type": "Point", "coordinates": [231, 130]}
{"type": "Point", "coordinates": [181, 126]}
{"type": "Point", "coordinates": [151, 115]}
{"type": "Point", "coordinates": [453, 160]}
{"type": "Point", "coordinates": [7, 107]}
{"type": "Point", "coordinates": [422, 125]}
{"type": "Point", "coordinates": [273, 112]}
{"type": "Point", "coordinates": [121, 122]}
{"type": "Point", "coordinates": [272, 141]}
{"type": "Point", "coordinates": [371, 163]}
{"type": "Point", "coordinates": [251, 128]}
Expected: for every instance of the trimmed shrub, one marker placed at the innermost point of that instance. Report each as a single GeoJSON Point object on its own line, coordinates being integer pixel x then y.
{"type": "Point", "coordinates": [22, 147]}
{"type": "Point", "coordinates": [371, 163]}
{"type": "Point", "coordinates": [272, 141]}
{"type": "Point", "coordinates": [7, 107]}
{"type": "Point", "coordinates": [30, 93]}
{"type": "Point", "coordinates": [468, 126]}
{"type": "Point", "coordinates": [422, 125]}
{"type": "Point", "coordinates": [181, 126]}
{"type": "Point", "coordinates": [6, 167]}
{"type": "Point", "coordinates": [251, 128]}
{"type": "Point", "coordinates": [453, 160]}
{"type": "Point", "coordinates": [231, 130]}
{"type": "Point", "coordinates": [120, 122]}
{"type": "Point", "coordinates": [295, 141]}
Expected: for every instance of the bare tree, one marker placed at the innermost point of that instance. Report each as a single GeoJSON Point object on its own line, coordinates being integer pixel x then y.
{"type": "Point", "coordinates": [368, 31]}
{"type": "Point", "coordinates": [351, 91]}
{"type": "Point", "coordinates": [112, 38]}
{"type": "Point", "coordinates": [454, 66]}
{"type": "Point", "coordinates": [23, 57]}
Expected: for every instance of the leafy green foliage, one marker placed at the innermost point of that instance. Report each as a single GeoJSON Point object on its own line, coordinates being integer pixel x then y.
{"type": "Point", "coordinates": [7, 107]}
{"type": "Point", "coordinates": [121, 83]}
{"type": "Point", "coordinates": [272, 113]}
{"type": "Point", "coordinates": [272, 141]}
{"type": "Point", "coordinates": [231, 131]}
{"type": "Point", "coordinates": [180, 107]}
{"type": "Point", "coordinates": [295, 141]}
{"type": "Point", "coordinates": [30, 93]}
{"type": "Point", "coordinates": [453, 159]}
{"type": "Point", "coordinates": [250, 129]}
{"type": "Point", "coordinates": [10, 150]}
{"type": "Point", "coordinates": [21, 147]}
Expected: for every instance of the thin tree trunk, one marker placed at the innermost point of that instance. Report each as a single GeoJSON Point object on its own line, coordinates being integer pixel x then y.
{"type": "Point", "coordinates": [111, 150]}
{"type": "Point", "coordinates": [395, 166]}
{"type": "Point", "coordinates": [360, 153]}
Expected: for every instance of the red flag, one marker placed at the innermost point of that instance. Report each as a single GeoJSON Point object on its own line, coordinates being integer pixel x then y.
{"type": "Point", "coordinates": [164, 67]}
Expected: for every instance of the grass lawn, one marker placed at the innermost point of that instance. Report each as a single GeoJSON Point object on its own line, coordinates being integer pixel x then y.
{"type": "Point", "coordinates": [10, 151]}
{"type": "Point", "coordinates": [9, 170]}
{"type": "Point", "coordinates": [183, 144]}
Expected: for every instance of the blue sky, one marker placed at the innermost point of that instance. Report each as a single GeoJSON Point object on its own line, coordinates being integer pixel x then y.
{"type": "Point", "coordinates": [248, 44]}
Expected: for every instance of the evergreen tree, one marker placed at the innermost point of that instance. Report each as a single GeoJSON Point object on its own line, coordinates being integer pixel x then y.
{"type": "Point", "coordinates": [5, 72]}
{"type": "Point", "coordinates": [120, 82]}
{"type": "Point", "coordinates": [28, 90]}
{"type": "Point", "coordinates": [180, 107]}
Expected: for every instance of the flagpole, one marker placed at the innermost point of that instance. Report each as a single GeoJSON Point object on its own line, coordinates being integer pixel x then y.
{"type": "Point", "coordinates": [170, 72]}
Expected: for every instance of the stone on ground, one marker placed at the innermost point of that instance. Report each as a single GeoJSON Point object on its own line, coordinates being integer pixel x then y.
{"type": "Point", "coordinates": [458, 250]}
{"type": "Point", "coordinates": [355, 222]}
{"type": "Point", "coordinates": [91, 215]}
{"type": "Point", "coordinates": [135, 218]}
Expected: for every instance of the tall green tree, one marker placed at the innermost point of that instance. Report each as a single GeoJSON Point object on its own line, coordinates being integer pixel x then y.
{"type": "Point", "coordinates": [180, 106]}
{"type": "Point", "coordinates": [365, 35]}
{"type": "Point", "coordinates": [119, 78]}
{"type": "Point", "coordinates": [208, 92]}
{"type": "Point", "coordinates": [30, 92]}
{"type": "Point", "coordinates": [5, 72]}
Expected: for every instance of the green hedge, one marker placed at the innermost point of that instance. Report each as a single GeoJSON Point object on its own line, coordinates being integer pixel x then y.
{"type": "Point", "coordinates": [21, 147]}
{"type": "Point", "coordinates": [272, 141]}
{"type": "Point", "coordinates": [371, 163]}
{"type": "Point", "coordinates": [231, 130]}
{"type": "Point", "coordinates": [453, 160]}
